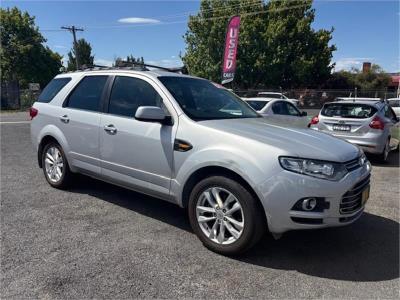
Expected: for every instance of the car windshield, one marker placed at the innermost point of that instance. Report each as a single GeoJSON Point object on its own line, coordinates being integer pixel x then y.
{"type": "Point", "coordinates": [201, 100]}
{"type": "Point", "coordinates": [256, 104]}
{"type": "Point", "coordinates": [348, 110]}
{"type": "Point", "coordinates": [271, 95]}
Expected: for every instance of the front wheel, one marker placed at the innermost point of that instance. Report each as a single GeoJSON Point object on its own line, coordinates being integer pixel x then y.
{"type": "Point", "coordinates": [225, 215]}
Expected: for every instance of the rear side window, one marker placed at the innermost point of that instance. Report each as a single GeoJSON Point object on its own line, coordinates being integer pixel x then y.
{"type": "Point", "coordinates": [394, 103]}
{"type": "Point", "coordinates": [348, 110]}
{"type": "Point", "coordinates": [52, 89]}
{"type": "Point", "coordinates": [285, 108]}
{"type": "Point", "coordinates": [257, 105]}
{"type": "Point", "coordinates": [87, 95]}
{"type": "Point", "coordinates": [129, 93]}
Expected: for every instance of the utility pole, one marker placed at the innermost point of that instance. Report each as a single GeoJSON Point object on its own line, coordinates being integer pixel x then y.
{"type": "Point", "coordinates": [74, 29]}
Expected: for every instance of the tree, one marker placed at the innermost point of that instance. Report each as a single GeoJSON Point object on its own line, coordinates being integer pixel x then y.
{"type": "Point", "coordinates": [85, 57]}
{"type": "Point", "coordinates": [129, 59]}
{"type": "Point", "coordinates": [374, 79]}
{"type": "Point", "coordinates": [277, 46]}
{"type": "Point", "coordinates": [23, 58]}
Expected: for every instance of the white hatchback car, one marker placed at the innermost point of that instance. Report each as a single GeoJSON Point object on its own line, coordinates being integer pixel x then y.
{"type": "Point", "coordinates": [278, 110]}
{"type": "Point", "coordinates": [394, 103]}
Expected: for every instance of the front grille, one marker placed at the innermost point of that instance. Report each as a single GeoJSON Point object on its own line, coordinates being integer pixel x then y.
{"type": "Point", "coordinates": [353, 164]}
{"type": "Point", "coordinates": [351, 201]}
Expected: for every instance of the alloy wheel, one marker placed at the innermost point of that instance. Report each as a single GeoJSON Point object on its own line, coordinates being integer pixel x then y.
{"type": "Point", "coordinates": [54, 164]}
{"type": "Point", "coordinates": [220, 215]}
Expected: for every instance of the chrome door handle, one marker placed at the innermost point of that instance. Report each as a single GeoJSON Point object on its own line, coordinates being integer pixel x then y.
{"type": "Point", "coordinates": [110, 129]}
{"type": "Point", "coordinates": [64, 119]}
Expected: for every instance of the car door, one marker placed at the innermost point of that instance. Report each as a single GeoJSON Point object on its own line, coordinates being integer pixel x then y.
{"type": "Point", "coordinates": [392, 125]}
{"type": "Point", "coordinates": [285, 111]}
{"type": "Point", "coordinates": [80, 120]}
{"type": "Point", "coordinates": [135, 153]}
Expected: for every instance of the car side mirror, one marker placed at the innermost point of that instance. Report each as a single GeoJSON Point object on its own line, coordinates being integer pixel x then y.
{"type": "Point", "coordinates": [152, 114]}
{"type": "Point", "coordinates": [303, 113]}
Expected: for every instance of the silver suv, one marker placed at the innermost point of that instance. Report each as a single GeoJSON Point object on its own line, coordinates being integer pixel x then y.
{"type": "Point", "coordinates": [367, 122]}
{"type": "Point", "coordinates": [181, 139]}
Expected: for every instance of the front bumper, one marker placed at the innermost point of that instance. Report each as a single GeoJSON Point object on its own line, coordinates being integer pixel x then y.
{"type": "Point", "coordinates": [281, 192]}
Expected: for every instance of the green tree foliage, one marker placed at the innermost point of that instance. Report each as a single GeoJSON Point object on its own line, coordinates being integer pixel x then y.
{"type": "Point", "coordinates": [277, 45]}
{"type": "Point", "coordinates": [85, 56]}
{"type": "Point", "coordinates": [374, 79]}
{"type": "Point", "coordinates": [129, 59]}
{"type": "Point", "coordinates": [23, 57]}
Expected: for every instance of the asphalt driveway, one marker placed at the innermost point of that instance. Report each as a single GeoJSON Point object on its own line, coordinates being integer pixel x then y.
{"type": "Point", "coordinates": [101, 241]}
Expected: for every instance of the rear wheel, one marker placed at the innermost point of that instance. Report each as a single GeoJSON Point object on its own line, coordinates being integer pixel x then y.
{"type": "Point", "coordinates": [55, 166]}
{"type": "Point", "coordinates": [383, 157]}
{"type": "Point", "coordinates": [225, 215]}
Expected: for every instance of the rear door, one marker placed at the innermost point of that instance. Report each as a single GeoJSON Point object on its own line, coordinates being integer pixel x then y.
{"type": "Point", "coordinates": [80, 120]}
{"type": "Point", "coordinates": [135, 153]}
{"type": "Point", "coordinates": [392, 125]}
{"type": "Point", "coordinates": [285, 111]}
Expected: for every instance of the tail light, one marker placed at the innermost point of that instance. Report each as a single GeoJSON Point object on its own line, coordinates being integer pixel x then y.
{"type": "Point", "coordinates": [313, 121]}
{"type": "Point", "coordinates": [33, 112]}
{"type": "Point", "coordinates": [377, 123]}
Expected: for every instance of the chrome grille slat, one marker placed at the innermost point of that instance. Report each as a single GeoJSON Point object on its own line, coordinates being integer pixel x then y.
{"type": "Point", "coordinates": [351, 200]}
{"type": "Point", "coordinates": [353, 164]}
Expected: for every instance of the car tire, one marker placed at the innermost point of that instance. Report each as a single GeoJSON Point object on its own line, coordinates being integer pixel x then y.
{"type": "Point", "coordinates": [383, 157]}
{"type": "Point", "coordinates": [241, 218]}
{"type": "Point", "coordinates": [55, 166]}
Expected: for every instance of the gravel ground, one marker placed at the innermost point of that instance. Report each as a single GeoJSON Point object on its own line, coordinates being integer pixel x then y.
{"type": "Point", "coordinates": [101, 241]}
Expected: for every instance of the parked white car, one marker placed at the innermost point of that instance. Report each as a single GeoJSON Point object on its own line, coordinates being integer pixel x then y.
{"type": "Point", "coordinates": [275, 95]}
{"type": "Point", "coordinates": [395, 105]}
{"type": "Point", "coordinates": [278, 110]}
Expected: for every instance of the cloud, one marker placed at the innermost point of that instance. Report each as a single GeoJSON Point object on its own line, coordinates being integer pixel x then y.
{"type": "Point", "coordinates": [168, 63]}
{"type": "Point", "coordinates": [134, 20]}
{"type": "Point", "coordinates": [103, 62]}
{"type": "Point", "coordinates": [60, 47]}
{"type": "Point", "coordinates": [351, 62]}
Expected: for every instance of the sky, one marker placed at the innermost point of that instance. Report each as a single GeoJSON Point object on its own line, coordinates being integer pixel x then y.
{"type": "Point", "coordinates": [365, 30]}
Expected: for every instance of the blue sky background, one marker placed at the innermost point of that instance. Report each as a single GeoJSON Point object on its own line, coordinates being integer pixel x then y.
{"type": "Point", "coordinates": [364, 30]}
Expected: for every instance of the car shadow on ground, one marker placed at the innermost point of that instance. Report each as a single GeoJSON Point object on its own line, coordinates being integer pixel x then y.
{"type": "Point", "coordinates": [367, 250]}
{"type": "Point", "coordinates": [393, 160]}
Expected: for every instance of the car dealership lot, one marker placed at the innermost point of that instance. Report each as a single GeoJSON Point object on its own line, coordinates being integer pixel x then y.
{"type": "Point", "coordinates": [98, 240]}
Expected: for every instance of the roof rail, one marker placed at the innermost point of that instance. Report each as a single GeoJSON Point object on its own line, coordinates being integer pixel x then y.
{"type": "Point", "coordinates": [127, 65]}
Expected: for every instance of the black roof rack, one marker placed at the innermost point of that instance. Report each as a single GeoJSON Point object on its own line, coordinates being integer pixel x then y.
{"type": "Point", "coordinates": [127, 65]}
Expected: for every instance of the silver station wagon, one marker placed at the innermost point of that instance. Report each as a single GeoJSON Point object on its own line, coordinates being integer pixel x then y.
{"type": "Point", "coordinates": [181, 139]}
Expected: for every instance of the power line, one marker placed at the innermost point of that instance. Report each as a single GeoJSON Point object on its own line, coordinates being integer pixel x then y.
{"type": "Point", "coordinates": [73, 30]}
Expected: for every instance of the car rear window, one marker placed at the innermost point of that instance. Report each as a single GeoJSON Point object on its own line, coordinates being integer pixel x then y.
{"type": "Point", "coordinates": [257, 105]}
{"type": "Point", "coordinates": [52, 89]}
{"type": "Point", "coordinates": [348, 110]}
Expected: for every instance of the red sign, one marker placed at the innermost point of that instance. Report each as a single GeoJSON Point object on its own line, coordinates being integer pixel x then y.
{"type": "Point", "coordinates": [231, 43]}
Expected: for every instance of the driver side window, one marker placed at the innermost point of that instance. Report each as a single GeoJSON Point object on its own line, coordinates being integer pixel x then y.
{"type": "Point", "coordinates": [285, 108]}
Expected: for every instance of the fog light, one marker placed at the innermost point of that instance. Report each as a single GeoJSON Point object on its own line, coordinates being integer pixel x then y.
{"type": "Point", "coordinates": [309, 204]}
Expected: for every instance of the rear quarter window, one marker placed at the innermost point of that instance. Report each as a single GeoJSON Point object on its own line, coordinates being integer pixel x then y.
{"type": "Point", "coordinates": [348, 110]}
{"type": "Point", "coordinates": [52, 89]}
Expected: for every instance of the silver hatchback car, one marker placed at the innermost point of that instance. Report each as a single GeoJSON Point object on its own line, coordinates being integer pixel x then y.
{"type": "Point", "coordinates": [181, 139]}
{"type": "Point", "coordinates": [367, 122]}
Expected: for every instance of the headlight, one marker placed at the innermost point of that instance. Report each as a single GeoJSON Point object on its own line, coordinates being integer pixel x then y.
{"type": "Point", "coordinates": [315, 168]}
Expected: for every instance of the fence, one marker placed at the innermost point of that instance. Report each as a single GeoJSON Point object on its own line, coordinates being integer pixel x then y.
{"type": "Point", "coordinates": [309, 98]}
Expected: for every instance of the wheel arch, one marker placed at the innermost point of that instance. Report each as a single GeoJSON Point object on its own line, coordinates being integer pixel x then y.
{"type": "Point", "coordinates": [43, 142]}
{"type": "Point", "coordinates": [208, 171]}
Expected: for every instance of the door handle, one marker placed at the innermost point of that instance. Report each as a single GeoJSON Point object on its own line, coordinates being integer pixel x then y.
{"type": "Point", "coordinates": [64, 119]}
{"type": "Point", "coordinates": [110, 129]}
